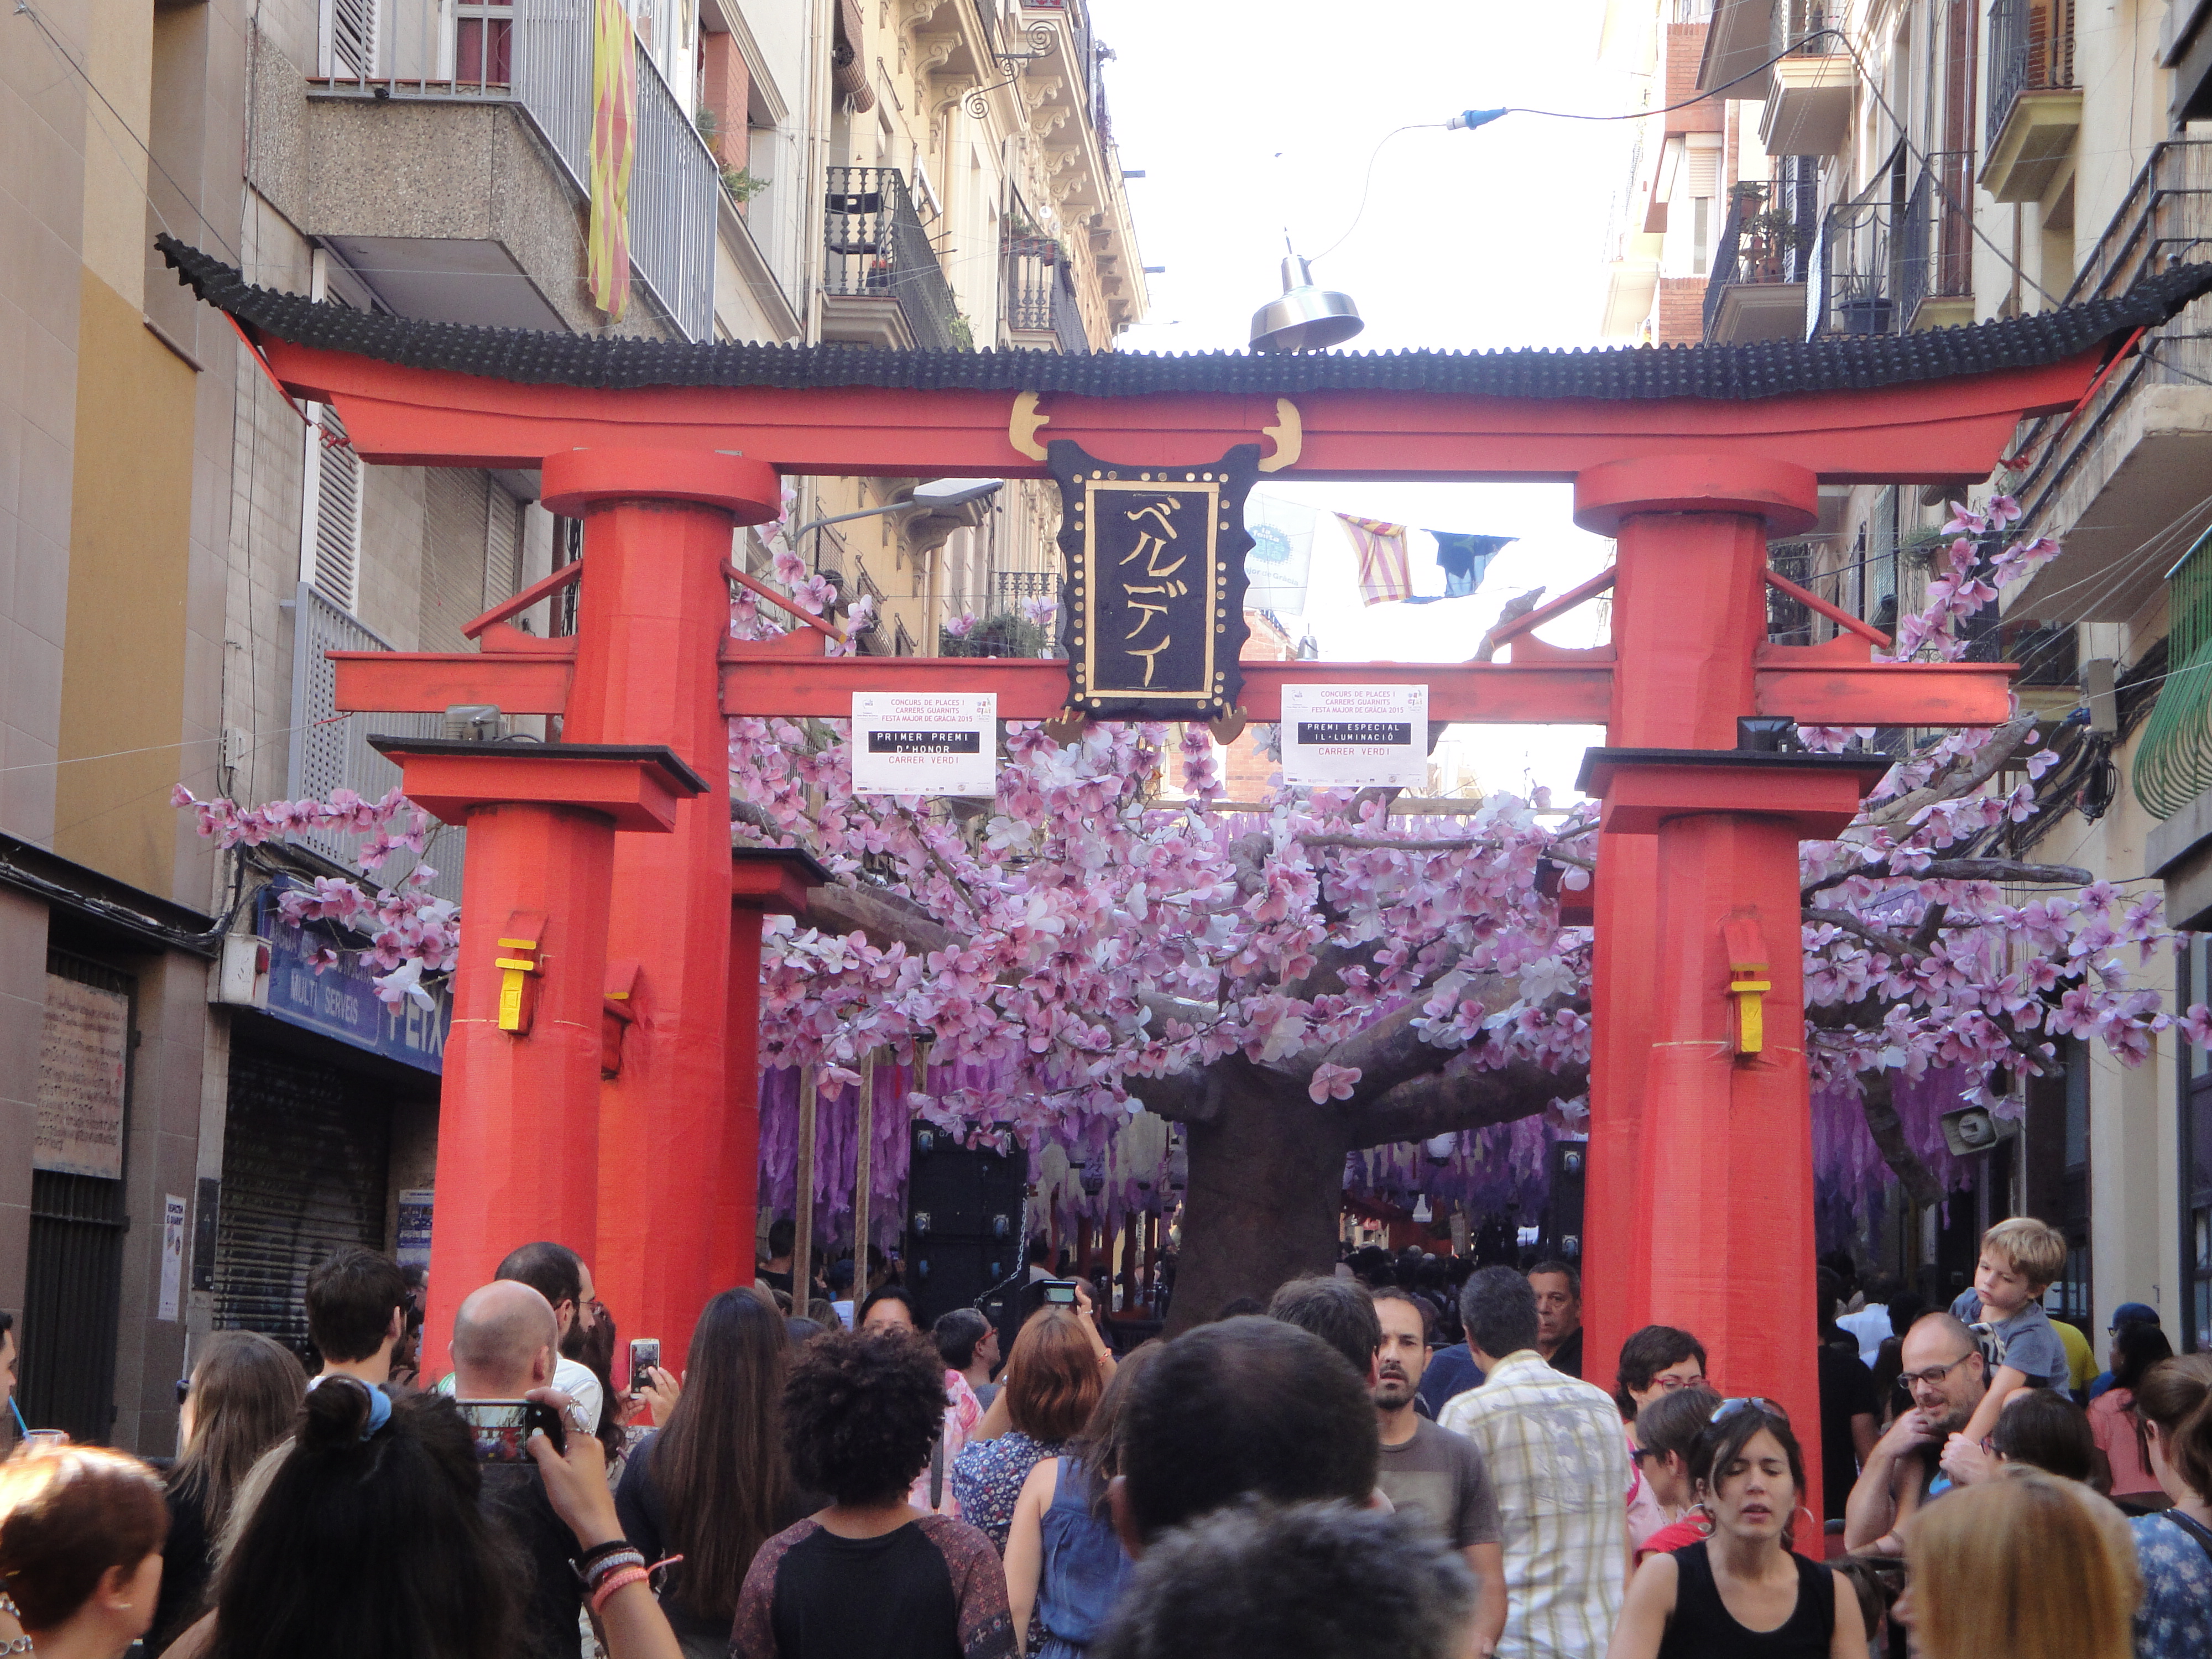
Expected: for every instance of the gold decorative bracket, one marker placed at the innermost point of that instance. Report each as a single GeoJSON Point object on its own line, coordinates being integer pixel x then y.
{"type": "Point", "coordinates": [1289, 433]}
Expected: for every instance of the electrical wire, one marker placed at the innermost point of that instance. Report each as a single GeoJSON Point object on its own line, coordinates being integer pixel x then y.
{"type": "Point", "coordinates": [1471, 119]}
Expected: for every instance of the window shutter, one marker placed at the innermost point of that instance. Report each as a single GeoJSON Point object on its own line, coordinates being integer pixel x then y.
{"type": "Point", "coordinates": [334, 558]}
{"type": "Point", "coordinates": [1705, 170]}
{"type": "Point", "coordinates": [350, 40]}
{"type": "Point", "coordinates": [454, 518]}
{"type": "Point", "coordinates": [503, 572]}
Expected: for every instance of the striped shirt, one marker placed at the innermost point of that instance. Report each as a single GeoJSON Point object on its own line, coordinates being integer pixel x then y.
{"type": "Point", "coordinates": [1559, 1470]}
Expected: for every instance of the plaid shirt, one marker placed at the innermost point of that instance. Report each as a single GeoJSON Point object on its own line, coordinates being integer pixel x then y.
{"type": "Point", "coordinates": [1559, 1469]}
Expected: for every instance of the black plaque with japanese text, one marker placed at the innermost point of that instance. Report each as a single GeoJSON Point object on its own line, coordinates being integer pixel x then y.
{"type": "Point", "coordinates": [1152, 617]}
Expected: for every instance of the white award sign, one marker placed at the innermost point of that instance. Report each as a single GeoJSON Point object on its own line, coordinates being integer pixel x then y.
{"type": "Point", "coordinates": [925, 743]}
{"type": "Point", "coordinates": [1366, 736]}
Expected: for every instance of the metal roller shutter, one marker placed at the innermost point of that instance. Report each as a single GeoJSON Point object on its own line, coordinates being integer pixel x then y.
{"type": "Point", "coordinates": [303, 1171]}
{"type": "Point", "coordinates": [73, 1277]}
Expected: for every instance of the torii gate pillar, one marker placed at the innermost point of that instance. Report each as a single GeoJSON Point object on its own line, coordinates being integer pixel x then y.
{"type": "Point", "coordinates": [1699, 1205]}
{"type": "Point", "coordinates": [651, 624]}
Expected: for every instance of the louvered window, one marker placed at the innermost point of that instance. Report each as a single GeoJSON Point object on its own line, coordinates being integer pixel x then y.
{"type": "Point", "coordinates": [332, 558]}
{"type": "Point", "coordinates": [349, 41]}
{"type": "Point", "coordinates": [502, 546]}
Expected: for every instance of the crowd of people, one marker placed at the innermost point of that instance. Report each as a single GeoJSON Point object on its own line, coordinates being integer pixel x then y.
{"type": "Point", "coordinates": [1402, 1458]}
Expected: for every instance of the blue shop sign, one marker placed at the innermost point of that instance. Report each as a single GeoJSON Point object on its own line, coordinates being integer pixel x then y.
{"type": "Point", "coordinates": [341, 1002]}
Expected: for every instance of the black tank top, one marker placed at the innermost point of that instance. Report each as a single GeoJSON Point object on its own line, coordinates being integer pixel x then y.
{"type": "Point", "coordinates": [1702, 1628]}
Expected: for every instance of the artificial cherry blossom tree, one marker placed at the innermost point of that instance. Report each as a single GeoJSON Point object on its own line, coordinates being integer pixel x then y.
{"type": "Point", "coordinates": [1317, 977]}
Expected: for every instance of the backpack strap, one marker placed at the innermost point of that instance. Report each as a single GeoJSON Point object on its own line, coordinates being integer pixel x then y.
{"type": "Point", "coordinates": [936, 1472]}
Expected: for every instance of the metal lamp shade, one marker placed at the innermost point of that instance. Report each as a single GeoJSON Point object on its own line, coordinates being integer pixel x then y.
{"type": "Point", "coordinates": [1306, 317]}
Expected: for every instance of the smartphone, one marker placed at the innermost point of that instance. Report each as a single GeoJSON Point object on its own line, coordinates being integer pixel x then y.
{"type": "Point", "coordinates": [644, 1356]}
{"type": "Point", "coordinates": [1058, 1292]}
{"type": "Point", "coordinates": [502, 1428]}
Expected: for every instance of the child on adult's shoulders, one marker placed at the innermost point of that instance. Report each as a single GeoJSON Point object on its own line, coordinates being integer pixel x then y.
{"type": "Point", "coordinates": [2020, 1260]}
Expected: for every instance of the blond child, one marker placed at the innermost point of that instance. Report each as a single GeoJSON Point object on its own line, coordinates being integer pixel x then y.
{"type": "Point", "coordinates": [2019, 1259]}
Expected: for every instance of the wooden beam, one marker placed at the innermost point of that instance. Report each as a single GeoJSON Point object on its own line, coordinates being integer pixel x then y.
{"type": "Point", "coordinates": [802, 1247]}
{"type": "Point", "coordinates": [1946, 432]}
{"type": "Point", "coordinates": [430, 682]}
{"type": "Point", "coordinates": [763, 680]}
{"type": "Point", "coordinates": [1033, 688]}
{"type": "Point", "coordinates": [864, 1135]}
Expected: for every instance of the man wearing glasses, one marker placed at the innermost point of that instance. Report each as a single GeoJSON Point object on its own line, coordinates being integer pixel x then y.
{"type": "Point", "coordinates": [1947, 1376]}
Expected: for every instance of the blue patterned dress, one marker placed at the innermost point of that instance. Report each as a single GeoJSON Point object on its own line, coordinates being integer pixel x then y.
{"type": "Point", "coordinates": [2175, 1619]}
{"type": "Point", "coordinates": [987, 1477]}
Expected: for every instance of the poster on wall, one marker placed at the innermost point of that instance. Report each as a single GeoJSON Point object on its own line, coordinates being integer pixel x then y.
{"type": "Point", "coordinates": [81, 1043]}
{"type": "Point", "coordinates": [413, 1241]}
{"type": "Point", "coordinates": [173, 1255]}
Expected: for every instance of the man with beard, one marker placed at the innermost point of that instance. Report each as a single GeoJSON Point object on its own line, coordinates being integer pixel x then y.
{"type": "Point", "coordinates": [558, 1274]}
{"type": "Point", "coordinates": [1946, 1375]}
{"type": "Point", "coordinates": [1428, 1471]}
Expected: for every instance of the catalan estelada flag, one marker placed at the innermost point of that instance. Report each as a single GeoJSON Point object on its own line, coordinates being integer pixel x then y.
{"type": "Point", "coordinates": [1385, 571]}
{"type": "Point", "coordinates": [614, 143]}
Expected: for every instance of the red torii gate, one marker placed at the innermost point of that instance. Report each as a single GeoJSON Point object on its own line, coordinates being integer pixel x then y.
{"type": "Point", "coordinates": [1701, 1194]}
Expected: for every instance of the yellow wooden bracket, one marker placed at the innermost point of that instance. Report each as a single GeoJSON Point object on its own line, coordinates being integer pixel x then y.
{"type": "Point", "coordinates": [1748, 981]}
{"type": "Point", "coordinates": [1289, 433]}
{"type": "Point", "coordinates": [1750, 1011]}
{"type": "Point", "coordinates": [520, 960]}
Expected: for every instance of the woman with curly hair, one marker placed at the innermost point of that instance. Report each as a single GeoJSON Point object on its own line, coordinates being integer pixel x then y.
{"type": "Point", "coordinates": [870, 1576]}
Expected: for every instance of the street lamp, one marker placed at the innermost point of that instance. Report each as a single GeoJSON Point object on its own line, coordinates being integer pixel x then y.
{"type": "Point", "coordinates": [934, 496]}
{"type": "Point", "coordinates": [1306, 317]}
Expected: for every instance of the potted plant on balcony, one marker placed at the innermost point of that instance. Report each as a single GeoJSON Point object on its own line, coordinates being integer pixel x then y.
{"type": "Point", "coordinates": [1765, 241]}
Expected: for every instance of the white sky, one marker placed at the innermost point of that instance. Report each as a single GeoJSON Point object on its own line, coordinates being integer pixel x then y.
{"type": "Point", "coordinates": [1249, 120]}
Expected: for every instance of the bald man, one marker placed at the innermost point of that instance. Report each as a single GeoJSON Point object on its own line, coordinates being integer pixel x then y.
{"type": "Point", "coordinates": [504, 1340]}
{"type": "Point", "coordinates": [1946, 1377]}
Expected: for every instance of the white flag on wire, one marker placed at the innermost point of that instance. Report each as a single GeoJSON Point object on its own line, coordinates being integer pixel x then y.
{"type": "Point", "coordinates": [1282, 551]}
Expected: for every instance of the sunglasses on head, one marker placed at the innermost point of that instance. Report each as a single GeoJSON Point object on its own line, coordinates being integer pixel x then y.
{"type": "Point", "coordinates": [1729, 1408]}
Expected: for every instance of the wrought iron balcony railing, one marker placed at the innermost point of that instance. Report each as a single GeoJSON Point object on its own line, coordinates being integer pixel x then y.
{"type": "Point", "coordinates": [1936, 242]}
{"type": "Point", "coordinates": [1040, 295]}
{"type": "Point", "coordinates": [2166, 216]}
{"type": "Point", "coordinates": [1789, 621]}
{"type": "Point", "coordinates": [1759, 244]}
{"type": "Point", "coordinates": [1011, 588]}
{"type": "Point", "coordinates": [537, 54]}
{"type": "Point", "coordinates": [1808, 28]}
{"type": "Point", "coordinates": [1858, 276]}
{"type": "Point", "coordinates": [878, 248]}
{"type": "Point", "coordinates": [2030, 49]}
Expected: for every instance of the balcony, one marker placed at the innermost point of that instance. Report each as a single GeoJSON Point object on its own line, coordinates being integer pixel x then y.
{"type": "Point", "coordinates": [414, 169]}
{"type": "Point", "coordinates": [881, 283]}
{"type": "Point", "coordinates": [1935, 246]}
{"type": "Point", "coordinates": [1888, 270]}
{"type": "Point", "coordinates": [1039, 305]}
{"type": "Point", "coordinates": [1812, 85]}
{"type": "Point", "coordinates": [1011, 588]}
{"type": "Point", "coordinates": [2035, 108]}
{"type": "Point", "coordinates": [1757, 288]}
{"type": "Point", "coordinates": [2120, 481]}
{"type": "Point", "coordinates": [329, 751]}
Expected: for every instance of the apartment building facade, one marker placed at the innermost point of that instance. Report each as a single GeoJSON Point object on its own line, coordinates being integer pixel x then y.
{"type": "Point", "coordinates": [1902, 165]}
{"type": "Point", "coordinates": [202, 1107]}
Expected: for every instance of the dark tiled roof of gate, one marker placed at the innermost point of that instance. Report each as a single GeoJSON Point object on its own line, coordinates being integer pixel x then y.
{"type": "Point", "coordinates": [1768, 368]}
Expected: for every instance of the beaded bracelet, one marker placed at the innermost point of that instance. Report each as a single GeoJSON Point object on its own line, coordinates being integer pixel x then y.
{"type": "Point", "coordinates": [636, 1575]}
{"type": "Point", "coordinates": [598, 1551]}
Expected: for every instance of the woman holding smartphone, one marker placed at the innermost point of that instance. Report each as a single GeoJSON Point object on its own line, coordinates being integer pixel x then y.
{"type": "Point", "coordinates": [1741, 1590]}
